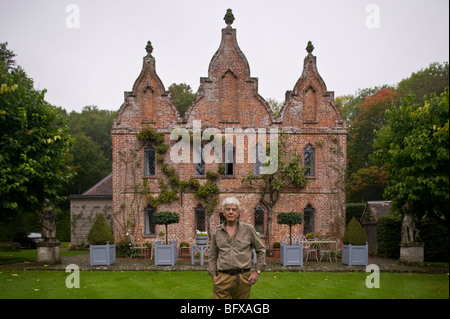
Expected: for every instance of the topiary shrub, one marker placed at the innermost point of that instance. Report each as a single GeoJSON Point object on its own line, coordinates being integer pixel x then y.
{"type": "Point", "coordinates": [165, 218]}
{"type": "Point", "coordinates": [355, 234]}
{"type": "Point", "coordinates": [290, 219]}
{"type": "Point", "coordinates": [100, 232]}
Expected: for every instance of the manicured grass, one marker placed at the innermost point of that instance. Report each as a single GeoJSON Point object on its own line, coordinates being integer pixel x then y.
{"type": "Point", "coordinates": [198, 285]}
{"type": "Point", "coordinates": [30, 255]}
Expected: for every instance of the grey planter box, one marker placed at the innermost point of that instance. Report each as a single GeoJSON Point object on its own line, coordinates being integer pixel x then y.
{"type": "Point", "coordinates": [355, 255]}
{"type": "Point", "coordinates": [102, 254]}
{"type": "Point", "coordinates": [291, 255]}
{"type": "Point", "coordinates": [165, 255]}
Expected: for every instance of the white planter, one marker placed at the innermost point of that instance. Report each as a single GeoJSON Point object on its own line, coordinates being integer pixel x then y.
{"type": "Point", "coordinates": [291, 255]}
{"type": "Point", "coordinates": [165, 255]}
{"type": "Point", "coordinates": [102, 254]}
{"type": "Point", "coordinates": [355, 255]}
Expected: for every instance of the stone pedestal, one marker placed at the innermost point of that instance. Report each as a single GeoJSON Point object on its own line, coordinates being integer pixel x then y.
{"type": "Point", "coordinates": [48, 252]}
{"type": "Point", "coordinates": [412, 253]}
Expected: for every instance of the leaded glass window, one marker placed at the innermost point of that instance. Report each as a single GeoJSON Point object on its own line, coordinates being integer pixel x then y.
{"type": "Point", "coordinates": [200, 167]}
{"type": "Point", "coordinates": [309, 154]}
{"type": "Point", "coordinates": [149, 225]}
{"type": "Point", "coordinates": [229, 160]}
{"type": "Point", "coordinates": [259, 219]}
{"type": "Point", "coordinates": [200, 218]}
{"type": "Point", "coordinates": [308, 220]}
{"type": "Point", "coordinates": [149, 161]}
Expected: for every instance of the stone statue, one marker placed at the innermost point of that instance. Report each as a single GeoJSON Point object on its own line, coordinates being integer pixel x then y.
{"type": "Point", "coordinates": [48, 222]}
{"type": "Point", "coordinates": [409, 232]}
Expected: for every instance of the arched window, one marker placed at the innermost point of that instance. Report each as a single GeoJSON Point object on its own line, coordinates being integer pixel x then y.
{"type": "Point", "coordinates": [257, 165]}
{"type": "Point", "coordinates": [229, 160]}
{"type": "Point", "coordinates": [149, 161]}
{"type": "Point", "coordinates": [200, 218]}
{"type": "Point", "coordinates": [200, 167]}
{"type": "Point", "coordinates": [259, 219]}
{"type": "Point", "coordinates": [310, 160]}
{"type": "Point", "coordinates": [308, 219]}
{"type": "Point", "coordinates": [149, 225]}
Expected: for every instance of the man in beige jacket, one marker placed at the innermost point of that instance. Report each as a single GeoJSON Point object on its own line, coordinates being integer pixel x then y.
{"type": "Point", "coordinates": [230, 256]}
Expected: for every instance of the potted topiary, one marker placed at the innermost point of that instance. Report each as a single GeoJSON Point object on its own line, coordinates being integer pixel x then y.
{"type": "Point", "coordinates": [165, 254]}
{"type": "Point", "coordinates": [184, 247]}
{"type": "Point", "coordinates": [102, 250]}
{"type": "Point", "coordinates": [355, 248]}
{"type": "Point", "coordinates": [292, 254]}
{"type": "Point", "coordinates": [276, 249]}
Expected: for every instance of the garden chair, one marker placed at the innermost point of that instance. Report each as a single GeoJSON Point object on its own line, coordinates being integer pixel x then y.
{"type": "Point", "coordinates": [327, 249]}
{"type": "Point", "coordinates": [311, 250]}
{"type": "Point", "coordinates": [135, 249]}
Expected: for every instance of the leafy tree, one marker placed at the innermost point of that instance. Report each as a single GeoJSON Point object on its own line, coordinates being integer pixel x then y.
{"type": "Point", "coordinates": [422, 83]}
{"type": "Point", "coordinates": [182, 96]}
{"type": "Point", "coordinates": [89, 162]}
{"type": "Point", "coordinates": [34, 143]}
{"type": "Point", "coordinates": [366, 180]}
{"type": "Point", "coordinates": [275, 106]}
{"type": "Point", "coordinates": [415, 146]}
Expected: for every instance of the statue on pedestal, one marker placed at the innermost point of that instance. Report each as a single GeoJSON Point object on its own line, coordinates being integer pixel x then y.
{"type": "Point", "coordinates": [411, 249]}
{"type": "Point", "coordinates": [48, 250]}
{"type": "Point", "coordinates": [48, 222]}
{"type": "Point", "coordinates": [409, 232]}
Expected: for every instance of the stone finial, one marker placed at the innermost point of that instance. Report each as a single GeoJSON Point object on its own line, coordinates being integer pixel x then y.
{"type": "Point", "coordinates": [309, 47]}
{"type": "Point", "coordinates": [149, 48]}
{"type": "Point", "coordinates": [229, 17]}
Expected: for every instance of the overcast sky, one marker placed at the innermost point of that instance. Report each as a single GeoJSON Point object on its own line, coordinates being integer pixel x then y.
{"type": "Point", "coordinates": [90, 52]}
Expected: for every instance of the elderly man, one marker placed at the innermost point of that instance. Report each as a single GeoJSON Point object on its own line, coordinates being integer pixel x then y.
{"type": "Point", "coordinates": [230, 256]}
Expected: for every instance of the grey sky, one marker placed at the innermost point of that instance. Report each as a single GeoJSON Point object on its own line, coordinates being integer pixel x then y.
{"type": "Point", "coordinates": [95, 63]}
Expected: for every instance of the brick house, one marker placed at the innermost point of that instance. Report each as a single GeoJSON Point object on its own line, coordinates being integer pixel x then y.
{"type": "Point", "coordinates": [228, 98]}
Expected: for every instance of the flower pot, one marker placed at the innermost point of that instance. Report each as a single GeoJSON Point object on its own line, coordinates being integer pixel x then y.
{"type": "Point", "coordinates": [185, 252]}
{"type": "Point", "coordinates": [291, 255]}
{"type": "Point", "coordinates": [355, 255]}
{"type": "Point", "coordinates": [276, 252]}
{"type": "Point", "coordinates": [102, 254]}
{"type": "Point", "coordinates": [201, 240]}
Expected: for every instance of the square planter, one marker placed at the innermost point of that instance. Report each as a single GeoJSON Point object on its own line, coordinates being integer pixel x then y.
{"type": "Point", "coordinates": [165, 255]}
{"type": "Point", "coordinates": [291, 255]}
{"type": "Point", "coordinates": [355, 255]}
{"type": "Point", "coordinates": [102, 254]}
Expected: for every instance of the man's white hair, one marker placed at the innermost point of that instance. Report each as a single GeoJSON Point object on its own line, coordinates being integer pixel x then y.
{"type": "Point", "coordinates": [231, 200]}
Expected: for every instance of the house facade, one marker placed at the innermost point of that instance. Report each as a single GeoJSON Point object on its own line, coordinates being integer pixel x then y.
{"type": "Point", "coordinates": [227, 99]}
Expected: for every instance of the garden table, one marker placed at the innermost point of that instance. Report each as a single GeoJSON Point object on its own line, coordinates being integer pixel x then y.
{"type": "Point", "coordinates": [324, 247]}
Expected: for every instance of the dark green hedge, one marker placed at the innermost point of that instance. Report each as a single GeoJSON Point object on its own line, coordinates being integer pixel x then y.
{"type": "Point", "coordinates": [389, 237]}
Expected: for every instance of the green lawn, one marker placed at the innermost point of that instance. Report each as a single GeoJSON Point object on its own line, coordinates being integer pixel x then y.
{"type": "Point", "coordinates": [198, 285]}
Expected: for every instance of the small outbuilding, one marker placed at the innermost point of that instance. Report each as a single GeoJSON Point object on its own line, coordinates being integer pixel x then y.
{"type": "Point", "coordinates": [85, 207]}
{"type": "Point", "coordinates": [369, 221]}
